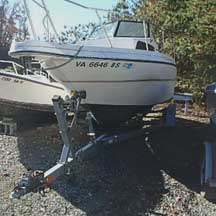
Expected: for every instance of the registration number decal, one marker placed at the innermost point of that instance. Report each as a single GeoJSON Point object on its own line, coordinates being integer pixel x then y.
{"type": "Point", "coordinates": [7, 79]}
{"type": "Point", "coordinates": [99, 64]}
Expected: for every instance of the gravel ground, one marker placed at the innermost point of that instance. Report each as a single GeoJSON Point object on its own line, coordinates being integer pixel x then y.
{"type": "Point", "coordinates": [155, 174]}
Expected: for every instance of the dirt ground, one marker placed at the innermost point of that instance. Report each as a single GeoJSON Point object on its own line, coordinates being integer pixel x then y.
{"type": "Point", "coordinates": [157, 173]}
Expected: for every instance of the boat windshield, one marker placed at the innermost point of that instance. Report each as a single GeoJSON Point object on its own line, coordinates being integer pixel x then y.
{"type": "Point", "coordinates": [11, 67]}
{"type": "Point", "coordinates": [20, 70]}
{"type": "Point", "coordinates": [100, 33]}
{"type": "Point", "coordinates": [8, 69]}
{"type": "Point", "coordinates": [132, 29]}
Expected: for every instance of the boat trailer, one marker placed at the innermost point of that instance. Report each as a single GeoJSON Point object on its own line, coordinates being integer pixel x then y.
{"type": "Point", "coordinates": [36, 180]}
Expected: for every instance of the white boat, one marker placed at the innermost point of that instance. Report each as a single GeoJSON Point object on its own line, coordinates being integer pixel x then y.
{"type": "Point", "coordinates": [23, 91]}
{"type": "Point", "coordinates": [119, 66]}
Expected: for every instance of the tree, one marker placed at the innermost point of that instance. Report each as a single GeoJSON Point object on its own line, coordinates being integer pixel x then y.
{"type": "Point", "coordinates": [12, 22]}
{"type": "Point", "coordinates": [74, 33]}
{"type": "Point", "coordinates": [124, 9]}
{"type": "Point", "coordinates": [190, 31]}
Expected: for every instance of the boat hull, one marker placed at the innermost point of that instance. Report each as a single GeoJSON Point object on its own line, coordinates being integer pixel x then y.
{"type": "Point", "coordinates": [114, 95]}
{"type": "Point", "coordinates": [128, 84]}
{"type": "Point", "coordinates": [21, 94]}
{"type": "Point", "coordinates": [23, 112]}
{"type": "Point", "coordinates": [110, 76]}
{"type": "Point", "coordinates": [127, 80]}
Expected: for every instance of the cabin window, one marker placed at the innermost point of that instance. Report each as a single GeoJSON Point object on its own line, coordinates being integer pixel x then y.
{"type": "Point", "coordinates": [132, 29]}
{"type": "Point", "coordinates": [142, 45]}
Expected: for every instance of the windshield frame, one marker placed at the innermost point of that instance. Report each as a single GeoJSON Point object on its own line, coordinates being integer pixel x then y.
{"type": "Point", "coordinates": [132, 21]}
{"type": "Point", "coordinates": [115, 24]}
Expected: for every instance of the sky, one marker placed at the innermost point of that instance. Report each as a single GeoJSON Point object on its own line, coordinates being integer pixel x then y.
{"type": "Point", "coordinates": [64, 13]}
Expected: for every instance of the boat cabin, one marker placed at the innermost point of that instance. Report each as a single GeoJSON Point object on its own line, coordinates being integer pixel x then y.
{"type": "Point", "coordinates": [123, 34]}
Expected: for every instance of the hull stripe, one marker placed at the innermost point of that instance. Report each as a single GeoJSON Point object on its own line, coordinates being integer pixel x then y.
{"type": "Point", "coordinates": [100, 58]}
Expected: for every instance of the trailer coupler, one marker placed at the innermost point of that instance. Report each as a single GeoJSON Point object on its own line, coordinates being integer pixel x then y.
{"type": "Point", "coordinates": [32, 181]}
